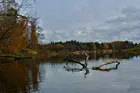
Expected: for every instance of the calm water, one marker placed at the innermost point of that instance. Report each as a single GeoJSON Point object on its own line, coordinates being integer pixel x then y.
{"type": "Point", "coordinates": [42, 77]}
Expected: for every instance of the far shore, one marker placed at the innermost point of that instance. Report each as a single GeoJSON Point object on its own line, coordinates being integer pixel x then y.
{"type": "Point", "coordinates": [79, 55]}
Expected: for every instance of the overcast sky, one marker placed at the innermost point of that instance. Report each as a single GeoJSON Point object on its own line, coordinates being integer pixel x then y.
{"type": "Point", "coordinates": [90, 20]}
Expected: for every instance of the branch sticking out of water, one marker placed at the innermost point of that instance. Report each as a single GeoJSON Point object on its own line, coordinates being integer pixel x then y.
{"type": "Point", "coordinates": [83, 65]}
{"type": "Point", "coordinates": [107, 69]}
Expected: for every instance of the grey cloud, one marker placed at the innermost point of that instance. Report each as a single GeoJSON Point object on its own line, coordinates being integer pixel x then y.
{"type": "Point", "coordinates": [58, 36]}
{"type": "Point", "coordinates": [78, 22]}
{"type": "Point", "coordinates": [126, 26]}
{"type": "Point", "coordinates": [135, 38]}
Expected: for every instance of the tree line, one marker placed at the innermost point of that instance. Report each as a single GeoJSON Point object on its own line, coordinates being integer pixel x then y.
{"type": "Point", "coordinates": [77, 46]}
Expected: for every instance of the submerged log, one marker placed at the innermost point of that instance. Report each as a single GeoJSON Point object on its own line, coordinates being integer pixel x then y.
{"type": "Point", "coordinates": [106, 69]}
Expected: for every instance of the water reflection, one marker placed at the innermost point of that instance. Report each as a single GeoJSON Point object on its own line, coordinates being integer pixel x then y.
{"type": "Point", "coordinates": [123, 80]}
{"type": "Point", "coordinates": [114, 55]}
{"type": "Point", "coordinates": [28, 76]}
{"type": "Point", "coordinates": [68, 68]}
{"type": "Point", "coordinates": [19, 77]}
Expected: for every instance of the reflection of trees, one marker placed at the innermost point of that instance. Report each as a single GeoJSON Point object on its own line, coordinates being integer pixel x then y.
{"type": "Point", "coordinates": [116, 55]}
{"type": "Point", "coordinates": [97, 56]}
{"type": "Point", "coordinates": [19, 77]}
{"type": "Point", "coordinates": [34, 71]}
{"type": "Point", "coordinates": [14, 77]}
{"type": "Point", "coordinates": [35, 76]}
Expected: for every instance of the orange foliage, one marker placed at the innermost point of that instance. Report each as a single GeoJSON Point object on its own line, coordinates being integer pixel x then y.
{"type": "Point", "coordinates": [106, 46]}
{"type": "Point", "coordinates": [94, 45]}
{"type": "Point", "coordinates": [19, 37]}
{"type": "Point", "coordinates": [34, 37]}
{"type": "Point", "coordinates": [57, 47]}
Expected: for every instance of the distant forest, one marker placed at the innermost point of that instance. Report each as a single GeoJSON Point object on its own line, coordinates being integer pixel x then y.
{"type": "Point", "coordinates": [76, 46]}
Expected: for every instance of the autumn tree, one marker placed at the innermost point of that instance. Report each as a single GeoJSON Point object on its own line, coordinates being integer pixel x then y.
{"type": "Point", "coordinates": [34, 40]}
{"type": "Point", "coordinates": [14, 26]}
{"type": "Point", "coordinates": [8, 17]}
{"type": "Point", "coordinates": [106, 46]}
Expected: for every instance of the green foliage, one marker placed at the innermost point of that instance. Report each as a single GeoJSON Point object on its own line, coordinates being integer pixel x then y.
{"type": "Point", "coordinates": [20, 55]}
{"type": "Point", "coordinates": [32, 52]}
{"type": "Point", "coordinates": [135, 50]}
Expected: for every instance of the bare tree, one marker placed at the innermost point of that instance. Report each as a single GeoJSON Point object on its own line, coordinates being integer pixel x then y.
{"type": "Point", "coordinates": [7, 23]}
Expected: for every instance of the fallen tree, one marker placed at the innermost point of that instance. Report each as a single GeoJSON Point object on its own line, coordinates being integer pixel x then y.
{"type": "Point", "coordinates": [106, 69]}
{"type": "Point", "coordinates": [84, 65]}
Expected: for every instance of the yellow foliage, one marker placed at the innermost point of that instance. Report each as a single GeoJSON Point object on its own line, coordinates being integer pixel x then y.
{"type": "Point", "coordinates": [32, 52]}
{"type": "Point", "coordinates": [20, 37]}
{"type": "Point", "coordinates": [34, 37]}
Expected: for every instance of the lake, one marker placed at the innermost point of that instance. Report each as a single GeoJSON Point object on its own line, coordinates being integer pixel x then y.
{"type": "Point", "coordinates": [29, 76]}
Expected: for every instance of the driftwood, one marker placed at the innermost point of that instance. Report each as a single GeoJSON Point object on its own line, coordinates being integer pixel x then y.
{"type": "Point", "coordinates": [83, 65]}
{"type": "Point", "coordinates": [73, 61]}
{"type": "Point", "coordinates": [106, 69]}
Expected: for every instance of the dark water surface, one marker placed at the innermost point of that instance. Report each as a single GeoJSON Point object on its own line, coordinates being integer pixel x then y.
{"type": "Point", "coordinates": [30, 76]}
